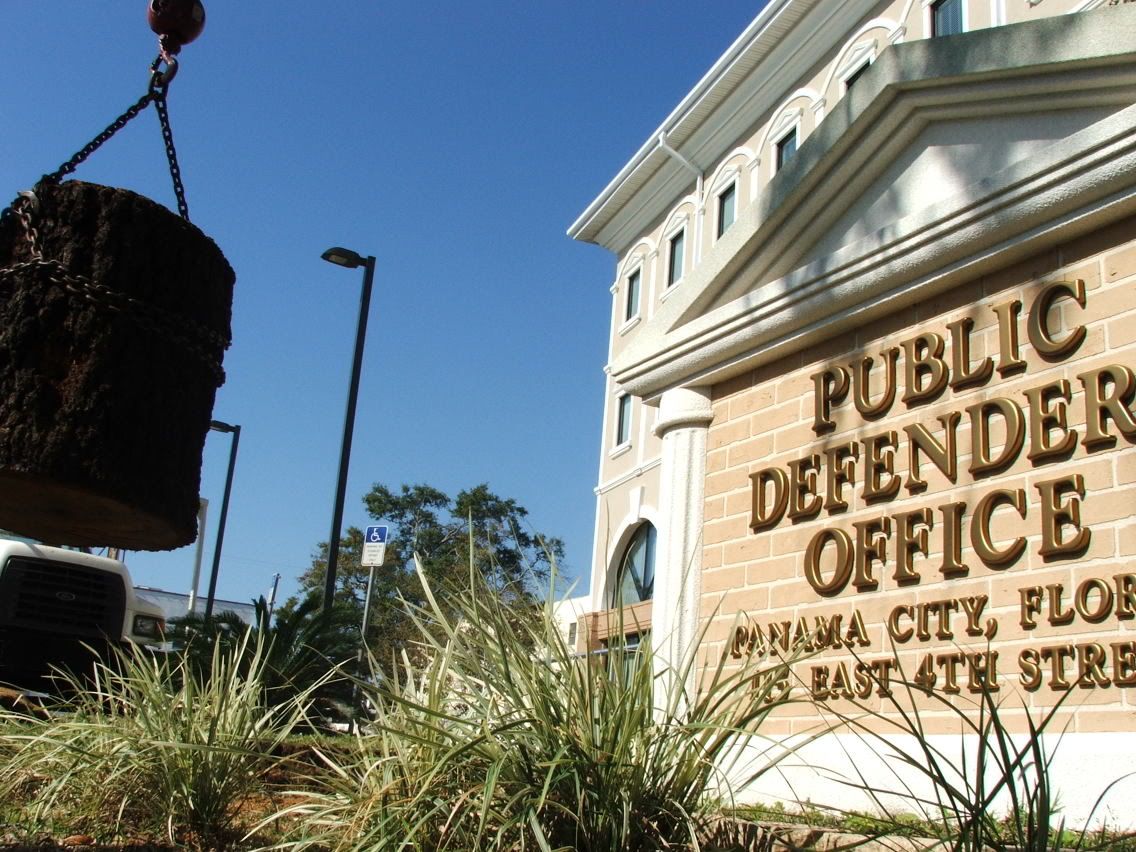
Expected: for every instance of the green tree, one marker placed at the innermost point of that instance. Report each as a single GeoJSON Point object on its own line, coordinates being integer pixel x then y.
{"type": "Point", "coordinates": [511, 557]}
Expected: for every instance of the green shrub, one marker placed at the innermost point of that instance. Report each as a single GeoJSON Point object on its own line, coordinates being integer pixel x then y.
{"type": "Point", "coordinates": [506, 739]}
{"type": "Point", "coordinates": [145, 746]}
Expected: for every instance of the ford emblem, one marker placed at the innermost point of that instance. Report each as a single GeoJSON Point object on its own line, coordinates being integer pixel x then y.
{"type": "Point", "coordinates": [66, 597]}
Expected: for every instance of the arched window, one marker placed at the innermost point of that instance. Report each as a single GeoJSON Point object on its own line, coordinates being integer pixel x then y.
{"type": "Point", "coordinates": [635, 580]}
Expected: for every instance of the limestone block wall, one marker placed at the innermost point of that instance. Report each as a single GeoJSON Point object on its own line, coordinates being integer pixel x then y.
{"type": "Point", "coordinates": [959, 510]}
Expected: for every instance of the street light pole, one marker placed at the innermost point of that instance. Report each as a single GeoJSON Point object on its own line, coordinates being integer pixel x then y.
{"type": "Point", "coordinates": [351, 260]}
{"type": "Point", "coordinates": [235, 431]}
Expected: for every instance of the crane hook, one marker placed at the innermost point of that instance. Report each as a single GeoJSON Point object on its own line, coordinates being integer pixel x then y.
{"type": "Point", "coordinates": [177, 22]}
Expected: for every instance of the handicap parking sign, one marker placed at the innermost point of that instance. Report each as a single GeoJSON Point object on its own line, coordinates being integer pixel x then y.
{"type": "Point", "coordinates": [374, 546]}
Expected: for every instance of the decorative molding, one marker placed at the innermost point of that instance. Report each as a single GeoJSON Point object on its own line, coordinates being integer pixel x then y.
{"type": "Point", "coordinates": [759, 294]}
{"type": "Point", "coordinates": [746, 81]}
{"type": "Point", "coordinates": [684, 408]}
{"type": "Point", "coordinates": [787, 121]}
{"type": "Point", "coordinates": [723, 178]}
{"type": "Point", "coordinates": [677, 222]}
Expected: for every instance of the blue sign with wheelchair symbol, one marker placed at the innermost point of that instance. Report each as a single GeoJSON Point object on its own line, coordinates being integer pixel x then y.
{"type": "Point", "coordinates": [374, 546]}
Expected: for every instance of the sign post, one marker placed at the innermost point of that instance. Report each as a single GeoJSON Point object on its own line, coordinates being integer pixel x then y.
{"type": "Point", "coordinates": [374, 552]}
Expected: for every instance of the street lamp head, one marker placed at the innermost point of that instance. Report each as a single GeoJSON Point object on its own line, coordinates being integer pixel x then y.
{"type": "Point", "coordinates": [343, 257]}
{"type": "Point", "coordinates": [219, 426]}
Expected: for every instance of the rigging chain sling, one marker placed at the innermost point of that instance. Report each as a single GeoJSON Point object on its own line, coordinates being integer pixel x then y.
{"type": "Point", "coordinates": [177, 23]}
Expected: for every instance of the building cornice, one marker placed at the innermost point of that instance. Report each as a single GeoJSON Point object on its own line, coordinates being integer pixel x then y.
{"type": "Point", "coordinates": [760, 294]}
{"type": "Point", "coordinates": [746, 81]}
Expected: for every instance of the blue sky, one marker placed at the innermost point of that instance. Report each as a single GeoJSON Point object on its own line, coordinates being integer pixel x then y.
{"type": "Point", "coordinates": [456, 142]}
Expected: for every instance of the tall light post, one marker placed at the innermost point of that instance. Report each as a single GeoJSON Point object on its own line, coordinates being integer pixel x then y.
{"type": "Point", "coordinates": [235, 431]}
{"type": "Point", "coordinates": [345, 257]}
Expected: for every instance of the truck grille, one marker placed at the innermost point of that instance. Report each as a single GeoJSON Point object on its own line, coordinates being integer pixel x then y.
{"type": "Point", "coordinates": [39, 594]}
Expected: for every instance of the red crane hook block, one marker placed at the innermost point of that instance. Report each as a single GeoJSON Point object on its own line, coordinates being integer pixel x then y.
{"type": "Point", "coordinates": [177, 22]}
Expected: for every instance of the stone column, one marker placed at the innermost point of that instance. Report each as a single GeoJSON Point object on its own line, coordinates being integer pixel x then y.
{"type": "Point", "coordinates": [684, 421]}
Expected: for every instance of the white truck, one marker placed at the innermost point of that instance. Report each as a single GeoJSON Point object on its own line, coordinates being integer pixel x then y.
{"type": "Point", "coordinates": [53, 602]}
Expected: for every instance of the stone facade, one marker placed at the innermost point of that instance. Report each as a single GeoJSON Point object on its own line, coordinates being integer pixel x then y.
{"type": "Point", "coordinates": [871, 374]}
{"type": "Point", "coordinates": [1007, 568]}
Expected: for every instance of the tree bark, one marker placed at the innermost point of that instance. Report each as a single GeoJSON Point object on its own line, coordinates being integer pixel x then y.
{"type": "Point", "coordinates": [110, 357]}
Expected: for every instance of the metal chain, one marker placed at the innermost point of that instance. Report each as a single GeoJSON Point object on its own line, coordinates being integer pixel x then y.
{"type": "Point", "coordinates": [159, 97]}
{"type": "Point", "coordinates": [96, 143]}
{"type": "Point", "coordinates": [21, 209]}
{"type": "Point", "coordinates": [203, 343]}
{"type": "Point", "coordinates": [156, 94]}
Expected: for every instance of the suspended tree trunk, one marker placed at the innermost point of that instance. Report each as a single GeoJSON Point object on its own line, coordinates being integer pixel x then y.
{"type": "Point", "coordinates": [110, 357]}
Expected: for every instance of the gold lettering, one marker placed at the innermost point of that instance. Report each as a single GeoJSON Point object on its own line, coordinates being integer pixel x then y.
{"type": "Point", "coordinates": [944, 456]}
{"type": "Point", "coordinates": [1056, 617]}
{"type": "Point", "coordinates": [1029, 661]}
{"type": "Point", "coordinates": [1031, 606]}
{"type": "Point", "coordinates": [1055, 515]}
{"type": "Point", "coordinates": [1104, 604]}
{"type": "Point", "coordinates": [881, 668]}
{"type": "Point", "coordinates": [1037, 325]}
{"type": "Point", "coordinates": [962, 375]}
{"type": "Point", "coordinates": [830, 387]}
{"type": "Point", "coordinates": [840, 470]}
{"type": "Point", "coordinates": [1124, 663]}
{"type": "Point", "coordinates": [912, 534]}
{"type": "Point", "coordinates": [1125, 595]}
{"type": "Point", "coordinates": [1009, 349]}
{"type": "Point", "coordinates": [949, 663]}
{"type": "Point", "coordinates": [841, 681]}
{"type": "Point", "coordinates": [1102, 405]}
{"type": "Point", "coordinates": [982, 460]}
{"type": "Point", "coordinates": [880, 481]}
{"type": "Point", "coordinates": [980, 536]}
{"type": "Point", "coordinates": [819, 687]}
{"type": "Point", "coordinates": [900, 636]}
{"type": "Point", "coordinates": [871, 546]}
{"type": "Point", "coordinates": [843, 568]}
{"type": "Point", "coordinates": [766, 513]}
{"type": "Point", "coordinates": [1057, 655]}
{"type": "Point", "coordinates": [827, 633]}
{"type": "Point", "coordinates": [972, 607]}
{"type": "Point", "coordinates": [857, 632]}
{"type": "Point", "coordinates": [779, 634]}
{"type": "Point", "coordinates": [802, 485]}
{"type": "Point", "coordinates": [1091, 658]}
{"type": "Point", "coordinates": [982, 672]}
{"type": "Point", "coordinates": [1042, 420]}
{"type": "Point", "coordinates": [923, 359]}
{"type": "Point", "coordinates": [742, 642]}
{"type": "Point", "coordinates": [861, 385]}
{"type": "Point", "coordinates": [953, 566]}
{"type": "Point", "coordinates": [864, 682]}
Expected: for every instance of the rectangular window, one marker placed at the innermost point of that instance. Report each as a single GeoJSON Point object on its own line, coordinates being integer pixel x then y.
{"type": "Point", "coordinates": [854, 76]}
{"type": "Point", "coordinates": [572, 636]}
{"type": "Point", "coordinates": [946, 17]}
{"type": "Point", "coordinates": [727, 206]}
{"type": "Point", "coordinates": [674, 271]}
{"type": "Point", "coordinates": [786, 148]}
{"type": "Point", "coordinates": [632, 309]}
{"type": "Point", "coordinates": [623, 421]}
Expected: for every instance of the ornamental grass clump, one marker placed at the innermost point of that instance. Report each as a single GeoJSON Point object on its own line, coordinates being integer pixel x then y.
{"type": "Point", "coordinates": [145, 747]}
{"type": "Point", "coordinates": [991, 787]}
{"type": "Point", "coordinates": [506, 738]}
